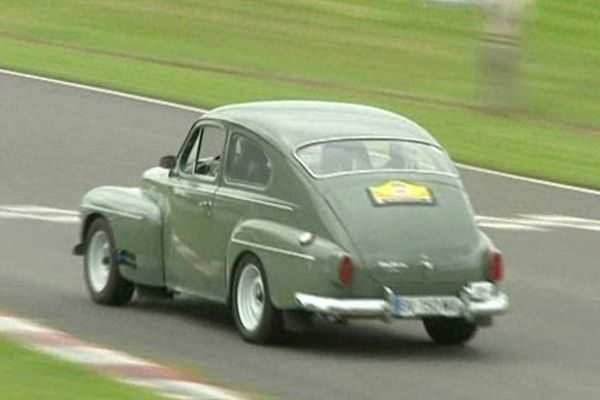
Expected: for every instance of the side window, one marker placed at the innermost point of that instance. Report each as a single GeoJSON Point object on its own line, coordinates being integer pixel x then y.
{"type": "Point", "coordinates": [190, 153]}
{"type": "Point", "coordinates": [247, 163]}
{"type": "Point", "coordinates": [212, 144]}
{"type": "Point", "coordinates": [204, 152]}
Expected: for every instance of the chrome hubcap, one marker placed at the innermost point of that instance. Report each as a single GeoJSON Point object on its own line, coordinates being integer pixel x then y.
{"type": "Point", "coordinates": [250, 297]}
{"type": "Point", "coordinates": [98, 261]}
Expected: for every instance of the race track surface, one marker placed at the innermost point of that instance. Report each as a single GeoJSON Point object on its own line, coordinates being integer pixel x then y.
{"type": "Point", "coordinates": [56, 142]}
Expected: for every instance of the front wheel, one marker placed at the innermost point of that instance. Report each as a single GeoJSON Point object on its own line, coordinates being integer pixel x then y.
{"type": "Point", "coordinates": [103, 280]}
{"type": "Point", "coordinates": [256, 318]}
{"type": "Point", "coordinates": [450, 331]}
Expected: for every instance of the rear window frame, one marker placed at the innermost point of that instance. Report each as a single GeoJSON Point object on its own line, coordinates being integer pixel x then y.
{"type": "Point", "coordinates": [371, 171]}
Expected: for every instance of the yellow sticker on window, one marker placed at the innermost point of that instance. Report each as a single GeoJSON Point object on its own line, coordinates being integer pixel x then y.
{"type": "Point", "coordinates": [399, 192]}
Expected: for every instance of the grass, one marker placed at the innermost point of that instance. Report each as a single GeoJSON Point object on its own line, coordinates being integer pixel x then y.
{"type": "Point", "coordinates": [409, 56]}
{"type": "Point", "coordinates": [28, 375]}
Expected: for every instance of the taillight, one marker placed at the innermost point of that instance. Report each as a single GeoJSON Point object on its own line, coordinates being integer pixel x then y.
{"type": "Point", "coordinates": [346, 270]}
{"type": "Point", "coordinates": [496, 266]}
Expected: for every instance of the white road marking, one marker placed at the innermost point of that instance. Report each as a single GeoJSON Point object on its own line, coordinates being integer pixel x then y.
{"type": "Point", "coordinates": [561, 221]}
{"type": "Point", "coordinates": [101, 90]}
{"type": "Point", "coordinates": [508, 226]}
{"type": "Point", "coordinates": [538, 222]}
{"type": "Point", "coordinates": [39, 213]}
{"type": "Point", "coordinates": [529, 180]}
{"type": "Point", "coordinates": [521, 222]}
{"type": "Point", "coordinates": [64, 220]}
{"type": "Point", "coordinates": [564, 219]}
{"type": "Point", "coordinates": [200, 110]}
{"type": "Point", "coordinates": [37, 209]}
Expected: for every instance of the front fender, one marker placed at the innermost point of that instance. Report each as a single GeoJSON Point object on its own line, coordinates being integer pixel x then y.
{"type": "Point", "coordinates": [136, 221]}
{"type": "Point", "coordinates": [289, 265]}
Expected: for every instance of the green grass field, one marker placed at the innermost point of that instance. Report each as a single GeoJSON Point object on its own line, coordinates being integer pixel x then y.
{"type": "Point", "coordinates": [27, 375]}
{"type": "Point", "coordinates": [409, 56]}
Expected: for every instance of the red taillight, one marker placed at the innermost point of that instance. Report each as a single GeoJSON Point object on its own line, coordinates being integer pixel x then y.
{"type": "Point", "coordinates": [346, 270]}
{"type": "Point", "coordinates": [496, 266]}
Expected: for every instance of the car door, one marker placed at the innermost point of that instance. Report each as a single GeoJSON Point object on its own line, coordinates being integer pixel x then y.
{"type": "Point", "coordinates": [192, 188]}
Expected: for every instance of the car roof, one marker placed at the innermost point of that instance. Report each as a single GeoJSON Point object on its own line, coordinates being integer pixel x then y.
{"type": "Point", "coordinates": [289, 124]}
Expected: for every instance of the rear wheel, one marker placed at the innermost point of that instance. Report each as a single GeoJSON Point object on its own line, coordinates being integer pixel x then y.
{"type": "Point", "coordinates": [103, 280]}
{"type": "Point", "coordinates": [256, 318]}
{"type": "Point", "coordinates": [450, 331]}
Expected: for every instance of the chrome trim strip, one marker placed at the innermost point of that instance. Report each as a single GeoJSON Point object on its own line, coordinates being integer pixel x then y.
{"type": "Point", "coordinates": [274, 249]}
{"type": "Point", "coordinates": [121, 213]}
{"type": "Point", "coordinates": [193, 188]}
{"type": "Point", "coordinates": [256, 201]}
{"type": "Point", "coordinates": [245, 185]}
{"type": "Point", "coordinates": [367, 137]}
{"type": "Point", "coordinates": [217, 191]}
{"type": "Point", "coordinates": [376, 171]}
{"type": "Point", "coordinates": [342, 138]}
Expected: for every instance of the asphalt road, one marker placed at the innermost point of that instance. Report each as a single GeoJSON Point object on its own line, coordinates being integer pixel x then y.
{"type": "Point", "coordinates": [57, 142]}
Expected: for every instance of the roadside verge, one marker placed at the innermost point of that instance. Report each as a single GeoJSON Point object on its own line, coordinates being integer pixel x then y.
{"type": "Point", "coordinates": [120, 366]}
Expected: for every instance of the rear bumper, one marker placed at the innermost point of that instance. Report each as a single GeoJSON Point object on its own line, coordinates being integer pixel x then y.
{"type": "Point", "coordinates": [476, 300]}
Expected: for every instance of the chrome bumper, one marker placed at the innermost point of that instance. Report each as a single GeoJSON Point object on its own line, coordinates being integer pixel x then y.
{"type": "Point", "coordinates": [476, 300]}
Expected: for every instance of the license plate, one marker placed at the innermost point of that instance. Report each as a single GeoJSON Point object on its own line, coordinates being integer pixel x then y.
{"type": "Point", "coordinates": [411, 306]}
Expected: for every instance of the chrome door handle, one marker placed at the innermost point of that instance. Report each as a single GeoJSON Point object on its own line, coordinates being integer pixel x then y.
{"type": "Point", "coordinates": [205, 204]}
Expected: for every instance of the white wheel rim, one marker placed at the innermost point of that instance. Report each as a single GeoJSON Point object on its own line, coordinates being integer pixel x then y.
{"type": "Point", "coordinates": [98, 261]}
{"type": "Point", "coordinates": [250, 297]}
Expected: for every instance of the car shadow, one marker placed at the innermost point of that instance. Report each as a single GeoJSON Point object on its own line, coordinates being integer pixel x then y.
{"type": "Point", "coordinates": [200, 311]}
{"type": "Point", "coordinates": [377, 340]}
{"type": "Point", "coordinates": [360, 339]}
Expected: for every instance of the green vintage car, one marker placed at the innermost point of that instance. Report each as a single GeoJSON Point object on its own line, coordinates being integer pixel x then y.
{"type": "Point", "coordinates": [289, 210]}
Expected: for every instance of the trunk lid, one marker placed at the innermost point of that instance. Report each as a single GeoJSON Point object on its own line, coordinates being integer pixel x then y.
{"type": "Point", "coordinates": [409, 230]}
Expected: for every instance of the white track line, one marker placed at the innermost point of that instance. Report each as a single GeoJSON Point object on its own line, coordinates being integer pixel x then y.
{"type": "Point", "coordinates": [509, 227]}
{"type": "Point", "coordinates": [28, 209]}
{"type": "Point", "coordinates": [103, 91]}
{"type": "Point", "coordinates": [529, 180]}
{"type": "Point", "coordinates": [39, 213]}
{"type": "Point", "coordinates": [200, 110]}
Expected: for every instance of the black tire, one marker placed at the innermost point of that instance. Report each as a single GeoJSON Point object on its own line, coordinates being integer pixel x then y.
{"type": "Point", "coordinates": [450, 331]}
{"type": "Point", "coordinates": [117, 291]}
{"type": "Point", "coordinates": [270, 326]}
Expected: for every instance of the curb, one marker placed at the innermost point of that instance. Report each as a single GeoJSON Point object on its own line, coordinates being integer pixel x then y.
{"type": "Point", "coordinates": [118, 365]}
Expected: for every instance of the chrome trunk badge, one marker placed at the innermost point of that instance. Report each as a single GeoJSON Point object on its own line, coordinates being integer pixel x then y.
{"type": "Point", "coordinates": [392, 266]}
{"type": "Point", "coordinates": [426, 263]}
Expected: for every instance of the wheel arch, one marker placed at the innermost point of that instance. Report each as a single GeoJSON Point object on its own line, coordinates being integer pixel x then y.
{"type": "Point", "coordinates": [136, 220]}
{"type": "Point", "coordinates": [290, 265]}
{"type": "Point", "coordinates": [87, 223]}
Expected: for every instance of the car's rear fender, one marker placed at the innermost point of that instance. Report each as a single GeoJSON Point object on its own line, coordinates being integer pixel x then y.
{"type": "Point", "coordinates": [293, 261]}
{"type": "Point", "coordinates": [136, 221]}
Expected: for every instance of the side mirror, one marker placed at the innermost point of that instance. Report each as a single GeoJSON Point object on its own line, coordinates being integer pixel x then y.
{"type": "Point", "coordinates": [167, 162]}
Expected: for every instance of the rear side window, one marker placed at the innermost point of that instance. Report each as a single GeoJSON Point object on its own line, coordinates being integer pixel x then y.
{"type": "Point", "coordinates": [247, 162]}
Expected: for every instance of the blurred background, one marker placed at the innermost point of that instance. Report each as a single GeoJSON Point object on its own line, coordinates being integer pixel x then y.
{"type": "Point", "coordinates": [506, 84]}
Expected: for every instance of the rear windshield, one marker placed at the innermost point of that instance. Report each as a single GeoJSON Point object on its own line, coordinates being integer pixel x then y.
{"type": "Point", "coordinates": [365, 155]}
